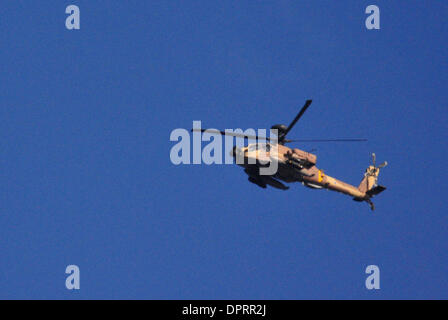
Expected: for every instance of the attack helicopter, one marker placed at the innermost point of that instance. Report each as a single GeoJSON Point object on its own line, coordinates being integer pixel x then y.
{"type": "Point", "coordinates": [295, 165]}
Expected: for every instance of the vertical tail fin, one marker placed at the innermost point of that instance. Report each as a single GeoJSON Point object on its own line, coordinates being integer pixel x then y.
{"type": "Point", "coordinates": [369, 184]}
{"type": "Point", "coordinates": [370, 179]}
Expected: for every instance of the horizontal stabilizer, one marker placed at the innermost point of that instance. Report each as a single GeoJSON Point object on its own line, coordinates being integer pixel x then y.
{"type": "Point", "coordinates": [375, 190]}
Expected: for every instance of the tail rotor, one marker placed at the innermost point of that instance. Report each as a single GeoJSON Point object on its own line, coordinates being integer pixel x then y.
{"type": "Point", "coordinates": [373, 170]}
{"type": "Point", "coordinates": [369, 184]}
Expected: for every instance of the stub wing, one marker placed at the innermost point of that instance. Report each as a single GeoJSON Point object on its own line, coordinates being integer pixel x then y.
{"type": "Point", "coordinates": [263, 181]}
{"type": "Point", "coordinates": [375, 190]}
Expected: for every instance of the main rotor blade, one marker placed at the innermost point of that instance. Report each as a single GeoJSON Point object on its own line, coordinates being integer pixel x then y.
{"type": "Point", "coordinates": [233, 134]}
{"type": "Point", "coordinates": [382, 165]}
{"type": "Point", "coordinates": [326, 140]}
{"type": "Point", "coordinates": [300, 114]}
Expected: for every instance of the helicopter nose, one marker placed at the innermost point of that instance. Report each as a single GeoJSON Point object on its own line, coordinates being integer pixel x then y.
{"type": "Point", "coordinates": [235, 151]}
{"type": "Point", "coordinates": [238, 155]}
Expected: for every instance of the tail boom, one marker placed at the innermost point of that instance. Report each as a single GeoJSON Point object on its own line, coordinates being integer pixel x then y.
{"type": "Point", "coordinates": [364, 192]}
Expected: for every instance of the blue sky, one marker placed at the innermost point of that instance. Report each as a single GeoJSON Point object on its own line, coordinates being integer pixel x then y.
{"type": "Point", "coordinates": [86, 177]}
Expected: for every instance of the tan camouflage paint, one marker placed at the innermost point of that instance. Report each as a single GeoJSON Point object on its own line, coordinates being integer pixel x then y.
{"type": "Point", "coordinates": [311, 175]}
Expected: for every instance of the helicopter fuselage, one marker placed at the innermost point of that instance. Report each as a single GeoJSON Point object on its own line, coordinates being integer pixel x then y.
{"type": "Point", "coordinates": [271, 162]}
{"type": "Point", "coordinates": [294, 165]}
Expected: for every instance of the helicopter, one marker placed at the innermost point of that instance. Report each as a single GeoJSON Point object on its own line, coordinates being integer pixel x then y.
{"type": "Point", "coordinates": [295, 165]}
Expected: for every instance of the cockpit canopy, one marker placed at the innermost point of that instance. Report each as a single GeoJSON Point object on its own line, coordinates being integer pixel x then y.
{"type": "Point", "coordinates": [259, 146]}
